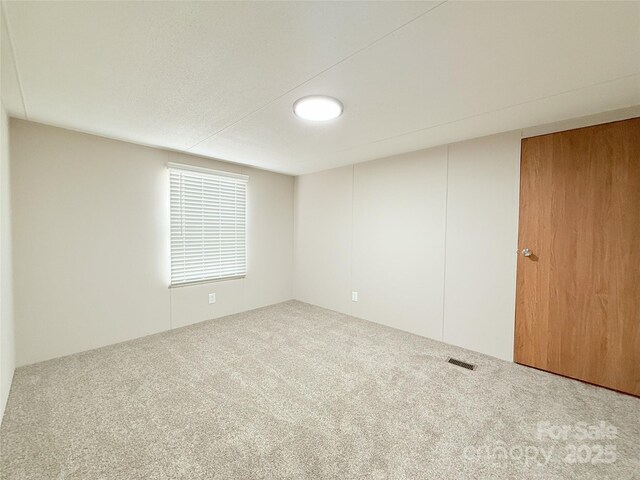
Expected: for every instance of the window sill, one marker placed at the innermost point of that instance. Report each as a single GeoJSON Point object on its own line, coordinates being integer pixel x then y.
{"type": "Point", "coordinates": [202, 282]}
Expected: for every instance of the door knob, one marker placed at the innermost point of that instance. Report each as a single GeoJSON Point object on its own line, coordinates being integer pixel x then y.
{"type": "Point", "coordinates": [526, 252]}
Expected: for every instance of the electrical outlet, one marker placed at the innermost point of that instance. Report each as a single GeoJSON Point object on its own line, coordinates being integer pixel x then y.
{"type": "Point", "coordinates": [354, 296]}
{"type": "Point", "coordinates": [212, 298]}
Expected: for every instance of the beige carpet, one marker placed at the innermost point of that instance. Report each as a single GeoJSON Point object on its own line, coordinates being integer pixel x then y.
{"type": "Point", "coordinates": [298, 392]}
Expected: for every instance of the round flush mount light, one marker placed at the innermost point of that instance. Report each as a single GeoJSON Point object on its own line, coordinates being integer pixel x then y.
{"type": "Point", "coordinates": [317, 108]}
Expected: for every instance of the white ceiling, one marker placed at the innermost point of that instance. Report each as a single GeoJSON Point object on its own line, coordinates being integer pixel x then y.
{"type": "Point", "coordinates": [219, 78]}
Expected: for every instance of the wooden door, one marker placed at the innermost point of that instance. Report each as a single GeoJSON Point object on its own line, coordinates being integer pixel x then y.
{"type": "Point", "coordinates": [578, 293]}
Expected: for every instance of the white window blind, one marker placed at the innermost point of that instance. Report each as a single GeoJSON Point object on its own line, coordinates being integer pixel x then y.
{"type": "Point", "coordinates": [208, 224]}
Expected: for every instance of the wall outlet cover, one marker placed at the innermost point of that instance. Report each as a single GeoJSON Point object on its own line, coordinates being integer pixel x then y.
{"type": "Point", "coordinates": [354, 296]}
{"type": "Point", "coordinates": [212, 298]}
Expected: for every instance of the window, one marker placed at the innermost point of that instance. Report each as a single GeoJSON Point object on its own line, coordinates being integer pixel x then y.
{"type": "Point", "coordinates": [208, 224]}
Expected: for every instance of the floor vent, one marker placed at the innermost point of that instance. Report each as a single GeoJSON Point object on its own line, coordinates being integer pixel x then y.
{"type": "Point", "coordinates": [460, 363]}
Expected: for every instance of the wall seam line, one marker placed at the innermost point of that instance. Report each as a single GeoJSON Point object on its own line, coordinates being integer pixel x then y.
{"type": "Point", "coordinates": [353, 188]}
{"type": "Point", "coordinates": [294, 240]}
{"type": "Point", "coordinates": [168, 186]}
{"type": "Point", "coordinates": [5, 17]}
{"type": "Point", "coordinates": [444, 260]}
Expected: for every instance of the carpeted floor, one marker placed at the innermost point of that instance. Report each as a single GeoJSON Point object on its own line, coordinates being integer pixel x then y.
{"type": "Point", "coordinates": [298, 392]}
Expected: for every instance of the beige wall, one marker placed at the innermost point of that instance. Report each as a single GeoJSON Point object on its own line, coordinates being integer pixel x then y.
{"type": "Point", "coordinates": [323, 236]}
{"type": "Point", "coordinates": [427, 239]}
{"type": "Point", "coordinates": [91, 243]}
{"type": "Point", "coordinates": [398, 240]}
{"type": "Point", "coordinates": [482, 237]}
{"type": "Point", "coordinates": [7, 350]}
{"type": "Point", "coordinates": [432, 245]}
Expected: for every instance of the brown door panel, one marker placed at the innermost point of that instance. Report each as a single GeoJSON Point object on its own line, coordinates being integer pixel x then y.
{"type": "Point", "coordinates": [578, 294]}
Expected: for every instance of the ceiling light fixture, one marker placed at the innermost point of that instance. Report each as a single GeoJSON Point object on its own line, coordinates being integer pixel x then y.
{"type": "Point", "coordinates": [317, 108]}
